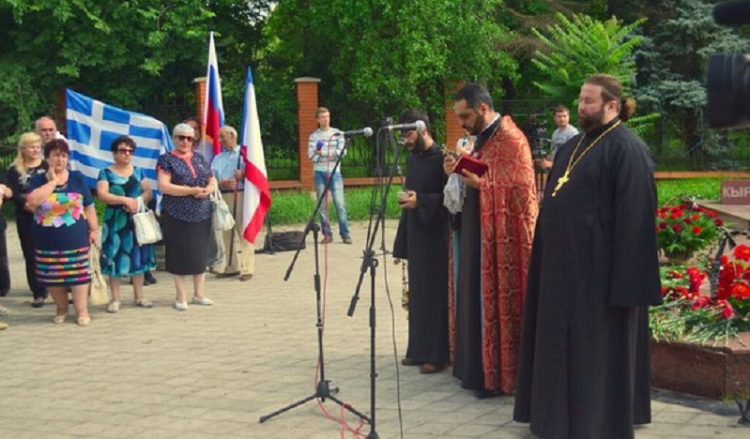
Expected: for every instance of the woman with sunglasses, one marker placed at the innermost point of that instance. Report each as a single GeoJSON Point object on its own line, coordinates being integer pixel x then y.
{"type": "Point", "coordinates": [186, 180]}
{"type": "Point", "coordinates": [122, 188]}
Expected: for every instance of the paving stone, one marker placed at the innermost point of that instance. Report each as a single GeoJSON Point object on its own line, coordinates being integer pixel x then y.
{"type": "Point", "coordinates": [214, 371]}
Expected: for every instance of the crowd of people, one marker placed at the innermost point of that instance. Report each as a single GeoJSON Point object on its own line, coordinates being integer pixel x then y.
{"type": "Point", "coordinates": [57, 221]}
{"type": "Point", "coordinates": [545, 301]}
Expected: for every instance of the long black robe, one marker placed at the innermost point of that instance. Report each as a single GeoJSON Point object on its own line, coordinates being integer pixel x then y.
{"type": "Point", "coordinates": [422, 239]}
{"type": "Point", "coordinates": [584, 363]}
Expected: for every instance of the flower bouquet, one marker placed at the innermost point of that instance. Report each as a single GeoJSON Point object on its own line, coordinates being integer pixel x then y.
{"type": "Point", "coordinates": [682, 230]}
{"type": "Point", "coordinates": [690, 315]}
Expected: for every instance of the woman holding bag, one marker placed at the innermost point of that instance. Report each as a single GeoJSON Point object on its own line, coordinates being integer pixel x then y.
{"type": "Point", "coordinates": [186, 181]}
{"type": "Point", "coordinates": [122, 188]}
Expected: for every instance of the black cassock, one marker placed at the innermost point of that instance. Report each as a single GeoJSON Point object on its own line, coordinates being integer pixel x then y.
{"type": "Point", "coordinates": [584, 362]}
{"type": "Point", "coordinates": [422, 239]}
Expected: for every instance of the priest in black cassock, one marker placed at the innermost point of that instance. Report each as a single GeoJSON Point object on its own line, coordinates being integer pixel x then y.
{"type": "Point", "coordinates": [584, 362]}
{"type": "Point", "coordinates": [422, 239]}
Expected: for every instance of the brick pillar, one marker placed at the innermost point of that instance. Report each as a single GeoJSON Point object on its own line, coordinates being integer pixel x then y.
{"type": "Point", "coordinates": [200, 100]}
{"type": "Point", "coordinates": [307, 103]}
{"type": "Point", "coordinates": [453, 130]}
{"type": "Point", "coordinates": [60, 115]}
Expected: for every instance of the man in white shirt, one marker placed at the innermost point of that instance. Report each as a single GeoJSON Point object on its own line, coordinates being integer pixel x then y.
{"type": "Point", "coordinates": [325, 146]}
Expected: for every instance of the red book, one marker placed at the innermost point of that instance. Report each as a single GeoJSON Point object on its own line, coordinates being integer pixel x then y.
{"type": "Point", "coordinates": [471, 165]}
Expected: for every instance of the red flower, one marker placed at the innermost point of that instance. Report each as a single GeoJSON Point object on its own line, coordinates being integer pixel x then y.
{"type": "Point", "coordinates": [711, 214]}
{"type": "Point", "coordinates": [727, 313]}
{"type": "Point", "coordinates": [695, 217]}
{"type": "Point", "coordinates": [740, 291]}
{"type": "Point", "coordinates": [687, 221]}
{"type": "Point", "coordinates": [700, 303]}
{"type": "Point", "coordinates": [677, 228]}
{"type": "Point", "coordinates": [697, 231]}
{"type": "Point", "coordinates": [718, 222]}
{"type": "Point", "coordinates": [662, 226]}
{"type": "Point", "coordinates": [742, 252]}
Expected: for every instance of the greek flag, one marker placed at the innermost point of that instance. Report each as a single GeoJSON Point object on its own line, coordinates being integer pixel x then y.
{"type": "Point", "coordinates": [93, 125]}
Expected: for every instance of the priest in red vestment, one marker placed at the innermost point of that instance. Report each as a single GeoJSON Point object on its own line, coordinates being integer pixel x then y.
{"type": "Point", "coordinates": [491, 247]}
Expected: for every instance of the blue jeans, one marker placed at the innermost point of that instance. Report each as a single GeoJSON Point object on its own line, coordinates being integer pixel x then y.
{"type": "Point", "coordinates": [337, 190]}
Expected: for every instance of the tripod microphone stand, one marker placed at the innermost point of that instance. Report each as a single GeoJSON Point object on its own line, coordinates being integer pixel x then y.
{"type": "Point", "coordinates": [369, 263]}
{"type": "Point", "coordinates": [323, 389]}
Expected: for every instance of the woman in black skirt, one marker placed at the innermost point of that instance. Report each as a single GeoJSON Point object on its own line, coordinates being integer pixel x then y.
{"type": "Point", "coordinates": [186, 181]}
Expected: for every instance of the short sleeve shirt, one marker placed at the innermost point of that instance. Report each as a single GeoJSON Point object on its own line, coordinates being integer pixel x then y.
{"type": "Point", "coordinates": [194, 172]}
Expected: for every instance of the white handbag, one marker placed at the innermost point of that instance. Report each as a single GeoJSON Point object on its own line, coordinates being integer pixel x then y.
{"type": "Point", "coordinates": [221, 217]}
{"type": "Point", "coordinates": [147, 230]}
{"type": "Point", "coordinates": [98, 288]}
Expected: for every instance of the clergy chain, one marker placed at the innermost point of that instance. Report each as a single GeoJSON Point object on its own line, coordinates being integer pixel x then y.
{"type": "Point", "coordinates": [572, 163]}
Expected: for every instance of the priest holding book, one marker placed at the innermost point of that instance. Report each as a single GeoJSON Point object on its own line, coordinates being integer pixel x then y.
{"type": "Point", "coordinates": [491, 247]}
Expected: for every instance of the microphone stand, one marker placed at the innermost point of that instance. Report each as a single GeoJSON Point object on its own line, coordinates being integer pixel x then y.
{"type": "Point", "coordinates": [322, 389]}
{"type": "Point", "coordinates": [369, 263]}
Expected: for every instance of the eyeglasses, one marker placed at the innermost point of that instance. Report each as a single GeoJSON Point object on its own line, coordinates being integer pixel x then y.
{"type": "Point", "coordinates": [182, 138]}
{"type": "Point", "coordinates": [125, 150]}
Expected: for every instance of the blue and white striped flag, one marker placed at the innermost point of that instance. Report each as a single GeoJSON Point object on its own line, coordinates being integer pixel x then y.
{"type": "Point", "coordinates": [93, 125]}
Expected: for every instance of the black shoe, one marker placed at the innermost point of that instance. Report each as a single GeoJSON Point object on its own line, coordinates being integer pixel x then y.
{"type": "Point", "coordinates": [149, 279]}
{"type": "Point", "coordinates": [484, 393]}
{"type": "Point", "coordinates": [3, 293]}
{"type": "Point", "coordinates": [38, 302]}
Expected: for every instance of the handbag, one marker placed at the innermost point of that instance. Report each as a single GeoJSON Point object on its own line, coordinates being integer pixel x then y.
{"type": "Point", "coordinates": [221, 217]}
{"type": "Point", "coordinates": [147, 230]}
{"type": "Point", "coordinates": [98, 294]}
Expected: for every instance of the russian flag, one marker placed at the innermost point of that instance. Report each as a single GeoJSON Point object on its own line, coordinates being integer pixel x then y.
{"type": "Point", "coordinates": [257, 195]}
{"type": "Point", "coordinates": [212, 118]}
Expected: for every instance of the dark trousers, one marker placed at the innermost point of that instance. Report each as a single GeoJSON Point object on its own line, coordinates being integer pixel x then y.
{"type": "Point", "coordinates": [4, 272]}
{"type": "Point", "coordinates": [23, 225]}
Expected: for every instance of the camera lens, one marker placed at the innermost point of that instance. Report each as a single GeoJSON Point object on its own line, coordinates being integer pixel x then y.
{"type": "Point", "coordinates": [729, 91]}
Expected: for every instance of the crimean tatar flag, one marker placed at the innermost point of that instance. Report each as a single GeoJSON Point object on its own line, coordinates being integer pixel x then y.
{"type": "Point", "coordinates": [257, 195]}
{"type": "Point", "coordinates": [212, 118]}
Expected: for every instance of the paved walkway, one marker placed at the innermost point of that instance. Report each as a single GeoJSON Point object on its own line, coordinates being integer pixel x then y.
{"type": "Point", "coordinates": [213, 371]}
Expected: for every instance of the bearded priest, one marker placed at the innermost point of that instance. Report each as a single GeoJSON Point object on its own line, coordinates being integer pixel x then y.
{"type": "Point", "coordinates": [584, 364]}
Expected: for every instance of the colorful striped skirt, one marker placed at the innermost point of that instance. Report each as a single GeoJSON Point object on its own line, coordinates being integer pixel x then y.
{"type": "Point", "coordinates": [63, 267]}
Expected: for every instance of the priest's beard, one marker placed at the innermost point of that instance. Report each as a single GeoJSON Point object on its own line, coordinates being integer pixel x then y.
{"type": "Point", "coordinates": [419, 146]}
{"type": "Point", "coordinates": [591, 122]}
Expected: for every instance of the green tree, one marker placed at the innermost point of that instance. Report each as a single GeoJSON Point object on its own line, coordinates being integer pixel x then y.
{"type": "Point", "coordinates": [672, 71]}
{"type": "Point", "coordinates": [379, 57]}
{"type": "Point", "coordinates": [135, 53]}
{"type": "Point", "coordinates": [580, 46]}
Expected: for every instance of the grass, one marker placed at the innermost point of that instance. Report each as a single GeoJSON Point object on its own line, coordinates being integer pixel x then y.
{"type": "Point", "coordinates": [296, 207]}
{"type": "Point", "coordinates": [670, 191]}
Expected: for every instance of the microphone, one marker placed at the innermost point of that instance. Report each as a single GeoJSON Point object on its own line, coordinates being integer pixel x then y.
{"type": "Point", "coordinates": [418, 125]}
{"type": "Point", "coordinates": [366, 131]}
{"type": "Point", "coordinates": [732, 13]}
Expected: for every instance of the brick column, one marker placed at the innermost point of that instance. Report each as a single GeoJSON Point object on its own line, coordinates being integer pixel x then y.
{"type": "Point", "coordinates": [453, 130]}
{"type": "Point", "coordinates": [307, 103]}
{"type": "Point", "coordinates": [200, 99]}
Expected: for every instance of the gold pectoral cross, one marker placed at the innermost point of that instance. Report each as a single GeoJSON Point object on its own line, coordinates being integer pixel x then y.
{"type": "Point", "coordinates": [560, 183]}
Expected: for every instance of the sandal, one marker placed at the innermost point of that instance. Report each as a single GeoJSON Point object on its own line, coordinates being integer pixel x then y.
{"type": "Point", "coordinates": [114, 306]}
{"type": "Point", "coordinates": [59, 319]}
{"type": "Point", "coordinates": [83, 321]}
{"type": "Point", "coordinates": [144, 303]}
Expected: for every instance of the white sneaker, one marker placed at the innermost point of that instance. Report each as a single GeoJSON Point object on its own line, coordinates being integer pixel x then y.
{"type": "Point", "coordinates": [205, 301]}
{"type": "Point", "coordinates": [180, 306]}
{"type": "Point", "coordinates": [113, 306]}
